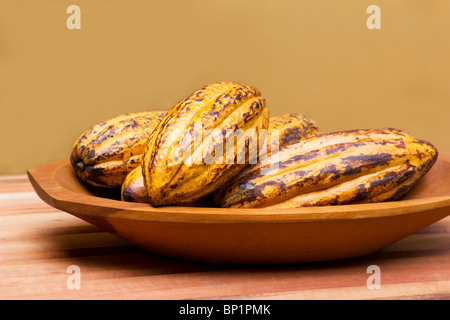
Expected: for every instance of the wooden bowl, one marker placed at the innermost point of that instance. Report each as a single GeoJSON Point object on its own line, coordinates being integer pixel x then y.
{"type": "Point", "coordinates": [250, 236]}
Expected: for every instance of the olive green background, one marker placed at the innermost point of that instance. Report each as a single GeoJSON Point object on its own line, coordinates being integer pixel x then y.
{"type": "Point", "coordinates": [312, 57]}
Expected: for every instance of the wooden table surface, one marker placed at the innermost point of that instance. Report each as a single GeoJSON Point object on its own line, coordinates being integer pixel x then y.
{"type": "Point", "coordinates": [41, 245]}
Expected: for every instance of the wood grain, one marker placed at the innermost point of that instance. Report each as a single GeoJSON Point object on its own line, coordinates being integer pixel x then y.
{"type": "Point", "coordinates": [38, 244]}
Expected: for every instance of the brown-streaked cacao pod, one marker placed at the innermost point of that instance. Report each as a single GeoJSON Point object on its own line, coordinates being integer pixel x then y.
{"type": "Point", "coordinates": [186, 157]}
{"type": "Point", "coordinates": [356, 166]}
{"type": "Point", "coordinates": [133, 188]}
{"type": "Point", "coordinates": [105, 153]}
{"type": "Point", "coordinates": [291, 128]}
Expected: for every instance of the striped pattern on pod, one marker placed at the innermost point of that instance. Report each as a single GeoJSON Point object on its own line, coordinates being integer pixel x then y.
{"type": "Point", "coordinates": [181, 162]}
{"type": "Point", "coordinates": [291, 128]}
{"type": "Point", "coordinates": [103, 155]}
{"type": "Point", "coordinates": [343, 167]}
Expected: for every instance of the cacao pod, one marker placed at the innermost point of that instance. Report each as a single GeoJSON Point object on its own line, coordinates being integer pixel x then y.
{"type": "Point", "coordinates": [105, 153]}
{"type": "Point", "coordinates": [133, 187]}
{"type": "Point", "coordinates": [291, 128]}
{"type": "Point", "coordinates": [343, 167]}
{"type": "Point", "coordinates": [182, 161]}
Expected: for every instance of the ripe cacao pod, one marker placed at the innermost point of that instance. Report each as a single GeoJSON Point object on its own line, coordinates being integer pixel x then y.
{"type": "Point", "coordinates": [133, 187]}
{"type": "Point", "coordinates": [291, 128]}
{"type": "Point", "coordinates": [355, 166]}
{"type": "Point", "coordinates": [105, 153]}
{"type": "Point", "coordinates": [182, 161]}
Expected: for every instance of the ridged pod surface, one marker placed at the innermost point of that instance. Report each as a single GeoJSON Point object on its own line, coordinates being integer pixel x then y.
{"type": "Point", "coordinates": [181, 162]}
{"type": "Point", "coordinates": [343, 167]}
{"type": "Point", "coordinates": [291, 128]}
{"type": "Point", "coordinates": [105, 153]}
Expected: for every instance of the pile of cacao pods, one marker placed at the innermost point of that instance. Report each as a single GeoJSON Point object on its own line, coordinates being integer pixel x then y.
{"type": "Point", "coordinates": [221, 144]}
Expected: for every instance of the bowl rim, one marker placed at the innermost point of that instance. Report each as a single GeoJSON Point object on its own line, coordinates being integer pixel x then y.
{"type": "Point", "coordinates": [49, 189]}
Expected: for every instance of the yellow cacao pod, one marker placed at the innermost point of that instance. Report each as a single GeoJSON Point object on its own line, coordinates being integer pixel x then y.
{"type": "Point", "coordinates": [182, 162]}
{"type": "Point", "coordinates": [291, 128]}
{"type": "Point", "coordinates": [105, 153]}
{"type": "Point", "coordinates": [133, 187]}
{"type": "Point", "coordinates": [344, 167]}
